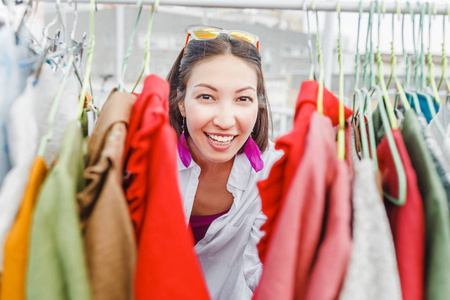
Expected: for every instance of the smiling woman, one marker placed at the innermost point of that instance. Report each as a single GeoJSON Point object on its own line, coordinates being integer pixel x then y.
{"type": "Point", "coordinates": [219, 109]}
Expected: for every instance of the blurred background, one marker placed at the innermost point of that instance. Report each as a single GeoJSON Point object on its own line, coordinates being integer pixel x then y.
{"type": "Point", "coordinates": [283, 44]}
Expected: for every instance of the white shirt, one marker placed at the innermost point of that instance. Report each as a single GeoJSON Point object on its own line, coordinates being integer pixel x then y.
{"type": "Point", "coordinates": [228, 252]}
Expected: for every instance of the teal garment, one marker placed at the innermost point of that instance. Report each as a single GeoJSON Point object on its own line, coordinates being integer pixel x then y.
{"type": "Point", "coordinates": [423, 105]}
{"type": "Point", "coordinates": [57, 264]}
{"type": "Point", "coordinates": [437, 229]}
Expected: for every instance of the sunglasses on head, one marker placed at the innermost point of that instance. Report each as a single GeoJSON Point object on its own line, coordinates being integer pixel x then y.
{"type": "Point", "coordinates": [210, 32]}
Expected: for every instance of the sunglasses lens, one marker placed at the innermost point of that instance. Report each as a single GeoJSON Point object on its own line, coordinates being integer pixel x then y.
{"type": "Point", "coordinates": [243, 36]}
{"type": "Point", "coordinates": [206, 33]}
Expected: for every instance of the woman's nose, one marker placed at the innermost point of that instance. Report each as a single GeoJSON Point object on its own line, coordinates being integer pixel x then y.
{"type": "Point", "coordinates": [224, 117]}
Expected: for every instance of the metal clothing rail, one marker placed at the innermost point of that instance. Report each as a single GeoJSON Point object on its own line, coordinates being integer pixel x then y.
{"type": "Point", "coordinates": [442, 8]}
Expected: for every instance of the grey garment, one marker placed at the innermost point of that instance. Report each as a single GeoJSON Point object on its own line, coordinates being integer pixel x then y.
{"type": "Point", "coordinates": [439, 159]}
{"type": "Point", "coordinates": [372, 272]}
{"type": "Point", "coordinates": [443, 116]}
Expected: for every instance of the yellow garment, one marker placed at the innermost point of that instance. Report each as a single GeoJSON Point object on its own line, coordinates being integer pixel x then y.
{"type": "Point", "coordinates": [16, 246]}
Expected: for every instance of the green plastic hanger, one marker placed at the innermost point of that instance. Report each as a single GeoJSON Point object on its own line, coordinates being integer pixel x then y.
{"type": "Point", "coordinates": [146, 67]}
{"type": "Point", "coordinates": [130, 47]}
{"type": "Point", "coordinates": [88, 63]}
{"type": "Point", "coordinates": [407, 59]}
{"type": "Point", "coordinates": [366, 93]}
{"type": "Point", "coordinates": [312, 76]}
{"type": "Point", "coordinates": [387, 121]}
{"type": "Point", "coordinates": [387, 100]}
{"type": "Point", "coordinates": [401, 92]}
{"type": "Point", "coordinates": [51, 119]}
{"type": "Point", "coordinates": [444, 63]}
{"type": "Point", "coordinates": [319, 56]}
{"type": "Point", "coordinates": [341, 131]}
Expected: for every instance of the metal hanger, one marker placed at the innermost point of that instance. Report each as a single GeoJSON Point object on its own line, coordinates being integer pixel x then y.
{"type": "Point", "coordinates": [359, 95]}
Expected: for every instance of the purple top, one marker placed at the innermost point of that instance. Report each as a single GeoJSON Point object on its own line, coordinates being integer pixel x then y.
{"type": "Point", "coordinates": [200, 224]}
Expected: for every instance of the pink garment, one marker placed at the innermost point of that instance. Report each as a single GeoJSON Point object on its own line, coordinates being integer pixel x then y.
{"type": "Point", "coordinates": [320, 180]}
{"type": "Point", "coordinates": [334, 252]}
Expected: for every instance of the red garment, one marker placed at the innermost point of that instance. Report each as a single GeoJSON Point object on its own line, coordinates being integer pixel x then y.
{"type": "Point", "coordinates": [273, 190]}
{"type": "Point", "coordinates": [320, 181]}
{"type": "Point", "coordinates": [167, 267]}
{"type": "Point", "coordinates": [407, 222]}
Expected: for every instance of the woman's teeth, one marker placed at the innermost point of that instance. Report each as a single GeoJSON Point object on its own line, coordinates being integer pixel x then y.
{"type": "Point", "coordinates": [221, 140]}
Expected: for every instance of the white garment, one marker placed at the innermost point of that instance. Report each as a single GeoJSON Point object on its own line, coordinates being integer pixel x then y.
{"type": "Point", "coordinates": [14, 70]}
{"type": "Point", "coordinates": [228, 252]}
{"type": "Point", "coordinates": [372, 273]}
{"type": "Point", "coordinates": [27, 123]}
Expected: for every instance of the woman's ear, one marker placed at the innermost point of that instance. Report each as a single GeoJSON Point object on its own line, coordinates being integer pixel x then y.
{"type": "Point", "coordinates": [182, 109]}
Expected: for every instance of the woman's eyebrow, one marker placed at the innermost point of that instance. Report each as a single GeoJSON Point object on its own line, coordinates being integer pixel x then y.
{"type": "Point", "coordinates": [206, 85]}
{"type": "Point", "coordinates": [245, 88]}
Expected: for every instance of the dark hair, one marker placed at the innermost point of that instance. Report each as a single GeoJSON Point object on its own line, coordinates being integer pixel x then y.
{"type": "Point", "coordinates": [199, 50]}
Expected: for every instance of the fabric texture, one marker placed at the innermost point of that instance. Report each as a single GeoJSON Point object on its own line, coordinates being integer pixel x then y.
{"type": "Point", "coordinates": [57, 264]}
{"type": "Point", "coordinates": [407, 222]}
{"type": "Point", "coordinates": [372, 273]}
{"type": "Point", "coordinates": [273, 190]}
{"type": "Point", "coordinates": [297, 265]}
{"type": "Point", "coordinates": [437, 224]}
{"type": "Point", "coordinates": [106, 224]}
{"type": "Point", "coordinates": [166, 264]}
{"type": "Point", "coordinates": [17, 242]}
{"type": "Point", "coordinates": [228, 253]}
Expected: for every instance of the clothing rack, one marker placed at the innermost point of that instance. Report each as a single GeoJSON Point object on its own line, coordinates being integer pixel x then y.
{"type": "Point", "coordinates": [388, 6]}
{"type": "Point", "coordinates": [330, 6]}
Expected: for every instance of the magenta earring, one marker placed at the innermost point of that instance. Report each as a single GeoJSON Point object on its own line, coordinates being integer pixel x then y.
{"type": "Point", "coordinates": [183, 149]}
{"type": "Point", "coordinates": [253, 154]}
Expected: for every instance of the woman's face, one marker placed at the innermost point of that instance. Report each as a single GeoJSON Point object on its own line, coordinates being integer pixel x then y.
{"type": "Point", "coordinates": [220, 107]}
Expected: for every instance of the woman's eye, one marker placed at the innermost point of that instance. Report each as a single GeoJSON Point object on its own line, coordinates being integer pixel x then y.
{"type": "Point", "coordinates": [204, 97]}
{"type": "Point", "coordinates": [245, 99]}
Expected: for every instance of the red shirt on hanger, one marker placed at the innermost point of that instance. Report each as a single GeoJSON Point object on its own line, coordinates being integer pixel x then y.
{"type": "Point", "coordinates": [167, 267]}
